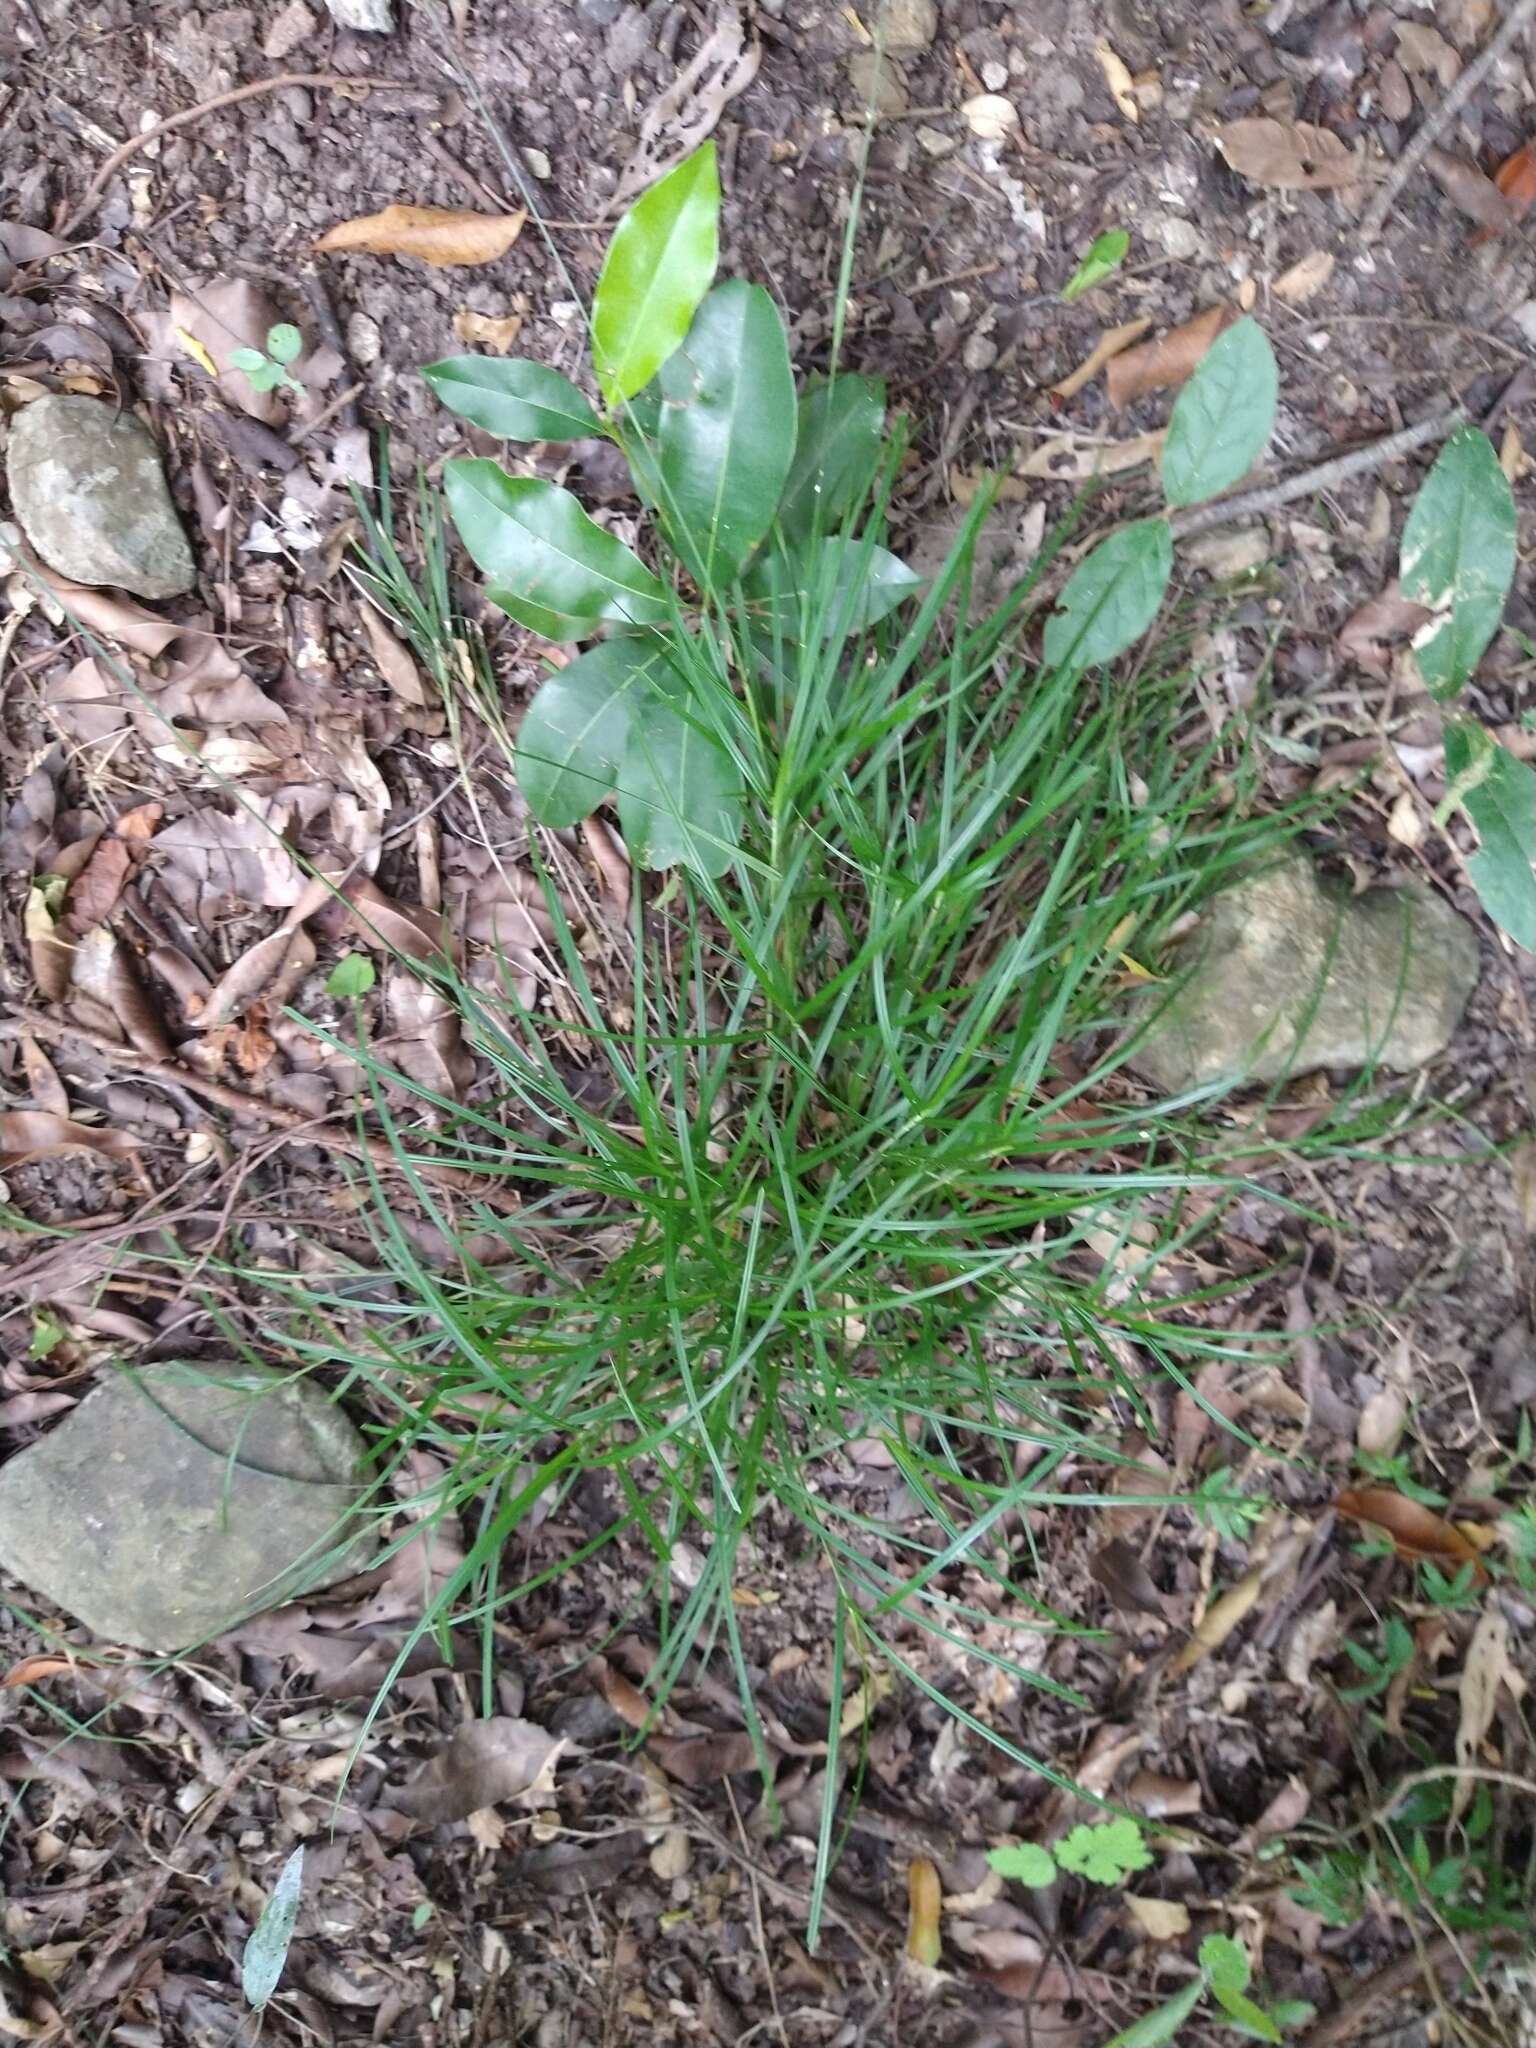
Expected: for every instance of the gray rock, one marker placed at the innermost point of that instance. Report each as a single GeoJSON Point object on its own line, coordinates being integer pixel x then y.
{"type": "Point", "coordinates": [178, 1499]}
{"type": "Point", "coordinates": [88, 490]}
{"type": "Point", "coordinates": [374, 17]}
{"type": "Point", "coordinates": [907, 24]}
{"type": "Point", "coordinates": [1283, 975]}
{"type": "Point", "coordinates": [878, 83]}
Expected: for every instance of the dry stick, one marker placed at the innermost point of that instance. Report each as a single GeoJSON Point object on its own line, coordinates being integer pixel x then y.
{"type": "Point", "coordinates": [1374, 218]}
{"type": "Point", "coordinates": [1324, 476]}
{"type": "Point", "coordinates": [135, 143]}
{"type": "Point", "coordinates": [301, 1129]}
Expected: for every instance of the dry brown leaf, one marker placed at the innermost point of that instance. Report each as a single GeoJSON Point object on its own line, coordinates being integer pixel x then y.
{"type": "Point", "coordinates": [1466, 187]}
{"type": "Point", "coordinates": [32, 1670]}
{"type": "Point", "coordinates": [701, 1759]}
{"type": "Point", "coordinates": [1162, 1797]}
{"type": "Point", "coordinates": [612, 864]}
{"type": "Point", "coordinates": [1113, 342]}
{"type": "Point", "coordinates": [426, 1035]}
{"type": "Point", "coordinates": [1192, 1417]}
{"type": "Point", "coordinates": [624, 1697]}
{"type": "Point", "coordinates": [1168, 361]}
{"type": "Point", "coordinates": [1220, 1619]}
{"type": "Point", "coordinates": [487, 330]}
{"type": "Point", "coordinates": [43, 1084]}
{"type": "Point", "coordinates": [439, 235]}
{"type": "Point", "coordinates": [1415, 1531]}
{"type": "Point", "coordinates": [925, 1944]}
{"type": "Point", "coordinates": [267, 972]}
{"type": "Point", "coordinates": [1289, 156]}
{"type": "Point", "coordinates": [1305, 278]}
{"type": "Point", "coordinates": [1117, 76]}
{"type": "Point", "coordinates": [1486, 1669]}
{"type": "Point", "coordinates": [1314, 1633]}
{"type": "Point", "coordinates": [1068, 457]}
{"type": "Point", "coordinates": [1287, 1810]}
{"type": "Point", "coordinates": [394, 660]}
{"type": "Point", "coordinates": [1117, 1567]}
{"type": "Point", "coordinates": [1162, 1919]}
{"type": "Point", "coordinates": [485, 1763]}
{"type": "Point", "coordinates": [52, 957]}
{"type": "Point", "coordinates": [1147, 1474]}
{"type": "Point", "coordinates": [1425, 52]}
{"type": "Point", "coordinates": [37, 1134]}
{"type": "Point", "coordinates": [1371, 632]}
{"type": "Point", "coordinates": [409, 933]}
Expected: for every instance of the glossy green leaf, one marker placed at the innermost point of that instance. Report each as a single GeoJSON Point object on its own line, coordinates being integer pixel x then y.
{"type": "Point", "coordinates": [549, 565]}
{"type": "Point", "coordinates": [573, 735]}
{"type": "Point", "coordinates": [516, 400]}
{"type": "Point", "coordinates": [267, 1950]}
{"type": "Point", "coordinates": [1458, 558]}
{"type": "Point", "coordinates": [1225, 1962]}
{"type": "Point", "coordinates": [1112, 598]}
{"type": "Point", "coordinates": [1104, 258]}
{"type": "Point", "coordinates": [837, 453]}
{"type": "Point", "coordinates": [1156, 2029]}
{"type": "Point", "coordinates": [679, 794]}
{"type": "Point", "coordinates": [659, 265]}
{"type": "Point", "coordinates": [724, 433]}
{"type": "Point", "coordinates": [1498, 793]}
{"type": "Point", "coordinates": [835, 587]}
{"type": "Point", "coordinates": [1224, 416]}
{"type": "Point", "coordinates": [1027, 1862]}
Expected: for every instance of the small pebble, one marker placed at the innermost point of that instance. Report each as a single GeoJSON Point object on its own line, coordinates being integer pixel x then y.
{"type": "Point", "coordinates": [908, 24]}
{"type": "Point", "coordinates": [877, 82]}
{"type": "Point", "coordinates": [936, 142]}
{"type": "Point", "coordinates": [994, 76]}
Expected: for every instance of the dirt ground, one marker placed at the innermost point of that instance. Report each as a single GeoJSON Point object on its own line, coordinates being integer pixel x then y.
{"type": "Point", "coordinates": [653, 1896]}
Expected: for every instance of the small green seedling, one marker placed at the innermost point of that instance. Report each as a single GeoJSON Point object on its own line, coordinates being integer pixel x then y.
{"type": "Point", "coordinates": [1102, 1852]}
{"type": "Point", "coordinates": [1222, 1505]}
{"type": "Point", "coordinates": [352, 976]}
{"type": "Point", "coordinates": [1104, 258]}
{"type": "Point", "coordinates": [1224, 1976]}
{"type": "Point", "coordinates": [266, 1952]}
{"type": "Point", "coordinates": [266, 368]}
{"type": "Point", "coordinates": [1381, 1666]}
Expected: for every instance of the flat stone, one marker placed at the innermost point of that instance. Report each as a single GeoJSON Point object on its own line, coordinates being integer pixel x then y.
{"type": "Point", "coordinates": [88, 491]}
{"type": "Point", "coordinates": [374, 17]}
{"type": "Point", "coordinates": [178, 1499]}
{"type": "Point", "coordinates": [907, 24]}
{"type": "Point", "coordinates": [877, 83]}
{"type": "Point", "coordinates": [1284, 975]}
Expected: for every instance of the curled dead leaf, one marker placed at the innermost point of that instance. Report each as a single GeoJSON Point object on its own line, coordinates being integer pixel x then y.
{"type": "Point", "coordinates": [1116, 1566]}
{"type": "Point", "coordinates": [487, 330]}
{"type": "Point", "coordinates": [1113, 342]}
{"type": "Point", "coordinates": [1371, 632]}
{"type": "Point", "coordinates": [1486, 1669]}
{"type": "Point", "coordinates": [1289, 156]}
{"type": "Point", "coordinates": [440, 235]}
{"type": "Point", "coordinates": [27, 1134]}
{"type": "Point", "coordinates": [1161, 1919]}
{"type": "Point", "coordinates": [485, 1763]}
{"type": "Point", "coordinates": [701, 1759]}
{"type": "Point", "coordinates": [1415, 1531]}
{"type": "Point", "coordinates": [1168, 361]}
{"type": "Point", "coordinates": [1162, 1797]}
{"type": "Point", "coordinates": [1069, 456]}
{"type": "Point", "coordinates": [688, 112]}
{"type": "Point", "coordinates": [393, 660]}
{"type": "Point", "coordinates": [1516, 180]}
{"type": "Point", "coordinates": [925, 1944]}
{"type": "Point", "coordinates": [1466, 187]}
{"type": "Point", "coordinates": [34, 1669]}
{"type": "Point", "coordinates": [1117, 76]}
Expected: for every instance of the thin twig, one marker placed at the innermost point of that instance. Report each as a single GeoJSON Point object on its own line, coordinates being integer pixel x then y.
{"type": "Point", "coordinates": [312, 284]}
{"type": "Point", "coordinates": [1398, 1976]}
{"type": "Point", "coordinates": [1374, 218]}
{"type": "Point", "coordinates": [135, 143]}
{"type": "Point", "coordinates": [1339, 469]}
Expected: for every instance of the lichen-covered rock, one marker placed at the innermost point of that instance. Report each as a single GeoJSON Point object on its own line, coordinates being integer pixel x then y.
{"type": "Point", "coordinates": [88, 490]}
{"type": "Point", "coordinates": [178, 1499]}
{"type": "Point", "coordinates": [1283, 975]}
